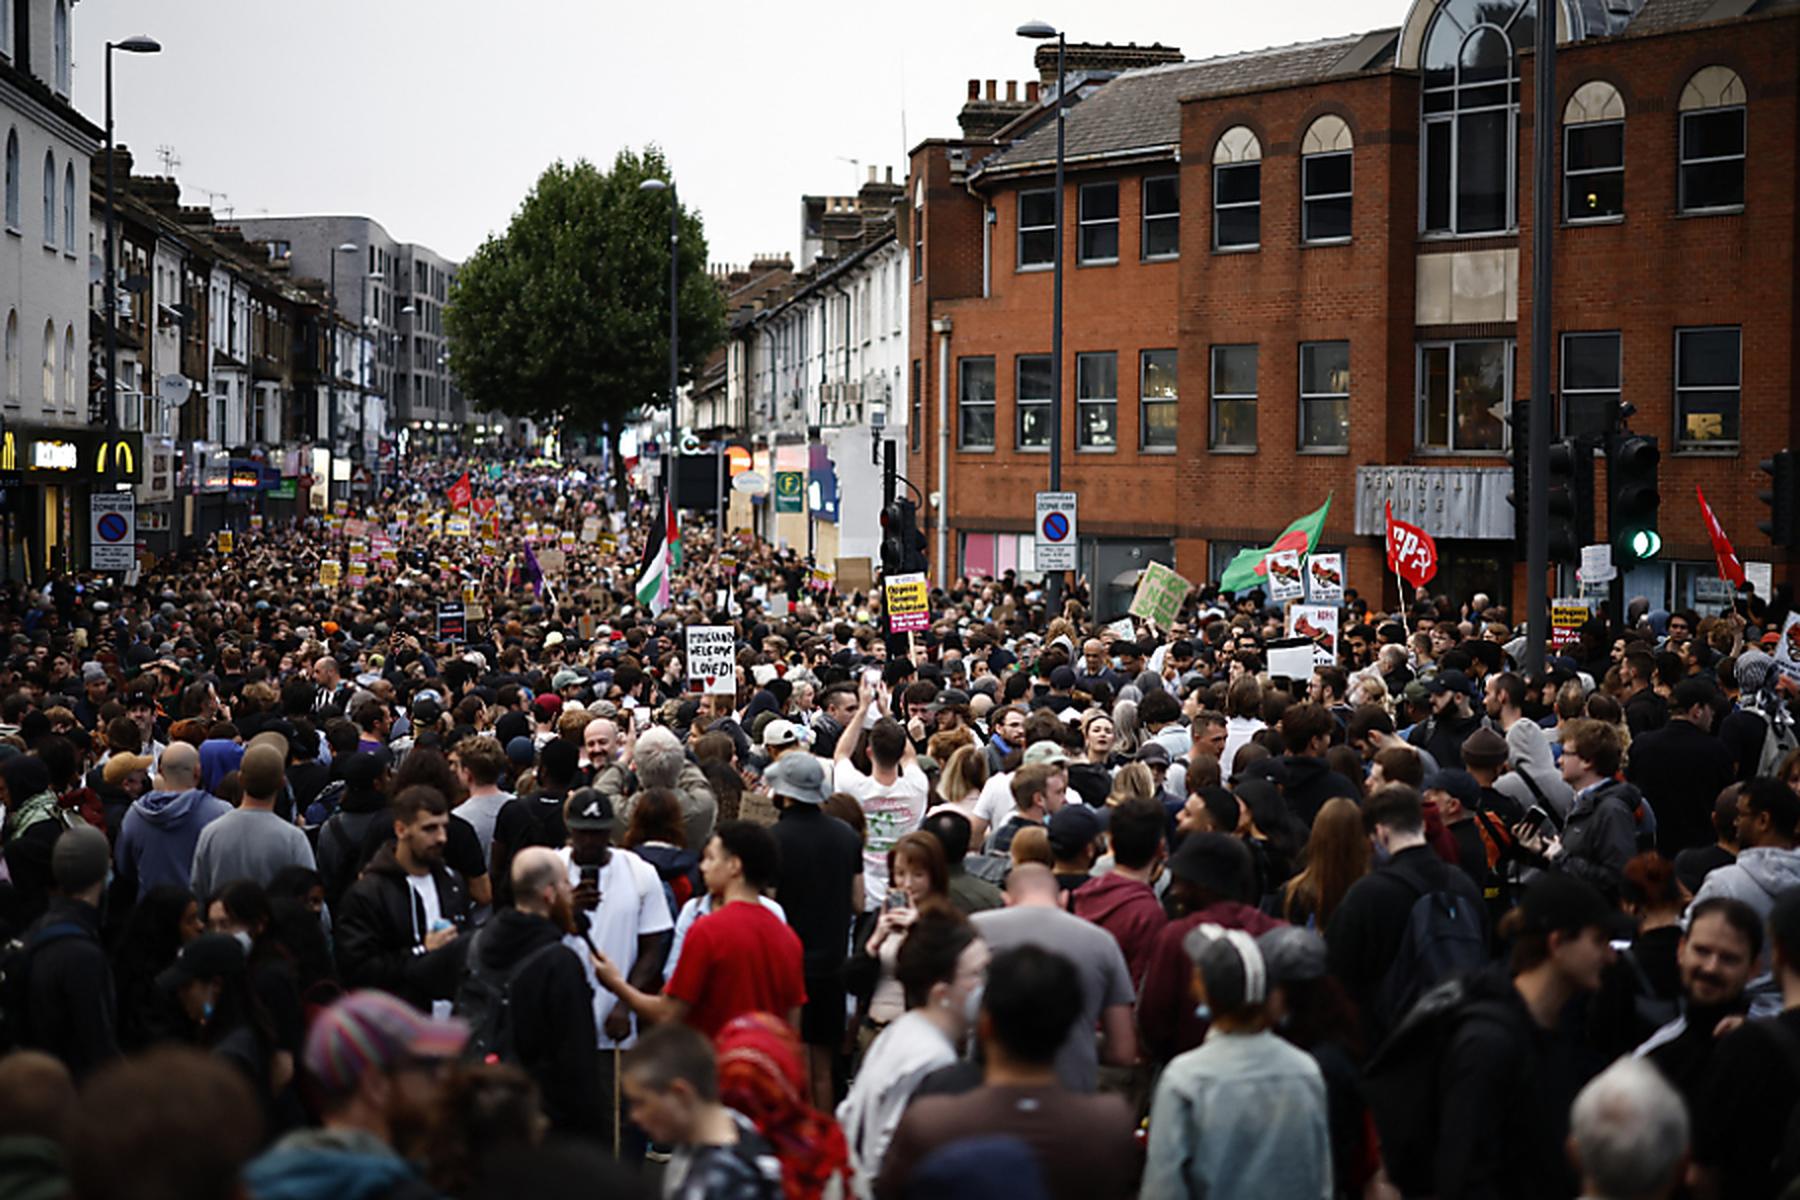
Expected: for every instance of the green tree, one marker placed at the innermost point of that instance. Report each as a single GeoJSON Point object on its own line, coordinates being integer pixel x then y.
{"type": "Point", "coordinates": [564, 318]}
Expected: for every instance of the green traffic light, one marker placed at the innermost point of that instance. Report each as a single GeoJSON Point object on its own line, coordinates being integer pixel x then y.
{"type": "Point", "coordinates": [1643, 543]}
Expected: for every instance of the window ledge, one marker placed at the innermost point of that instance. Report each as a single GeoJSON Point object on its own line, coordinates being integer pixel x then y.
{"type": "Point", "coordinates": [1440, 452]}
{"type": "Point", "coordinates": [1724, 210]}
{"type": "Point", "coordinates": [1729, 450]}
{"type": "Point", "coordinates": [1033, 268]}
{"type": "Point", "coordinates": [1096, 449]}
{"type": "Point", "coordinates": [1445, 235]}
{"type": "Point", "coordinates": [1316, 243]}
{"type": "Point", "coordinates": [1231, 449]}
{"type": "Point", "coordinates": [1031, 449]}
{"type": "Point", "coordinates": [1161, 258]}
{"type": "Point", "coordinates": [1097, 262]}
{"type": "Point", "coordinates": [974, 449]}
{"type": "Point", "coordinates": [15, 231]}
{"type": "Point", "coordinates": [1578, 222]}
{"type": "Point", "coordinates": [1250, 249]}
{"type": "Point", "coordinates": [1323, 451]}
{"type": "Point", "coordinates": [1159, 449]}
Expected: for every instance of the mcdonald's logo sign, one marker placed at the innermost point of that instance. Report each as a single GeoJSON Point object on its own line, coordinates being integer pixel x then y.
{"type": "Point", "coordinates": [116, 457]}
{"type": "Point", "coordinates": [9, 451]}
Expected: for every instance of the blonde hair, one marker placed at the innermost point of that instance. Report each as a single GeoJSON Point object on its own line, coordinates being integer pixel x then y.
{"type": "Point", "coordinates": [1133, 782]}
{"type": "Point", "coordinates": [964, 775]}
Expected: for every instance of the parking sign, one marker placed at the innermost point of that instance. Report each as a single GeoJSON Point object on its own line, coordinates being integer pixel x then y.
{"type": "Point", "coordinates": [1056, 540]}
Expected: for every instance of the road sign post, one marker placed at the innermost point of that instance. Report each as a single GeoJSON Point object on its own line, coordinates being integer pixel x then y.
{"type": "Point", "coordinates": [113, 544]}
{"type": "Point", "coordinates": [1056, 534]}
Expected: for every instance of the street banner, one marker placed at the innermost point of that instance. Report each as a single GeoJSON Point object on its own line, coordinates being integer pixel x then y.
{"type": "Point", "coordinates": [778, 604]}
{"type": "Point", "coordinates": [1249, 568]}
{"type": "Point", "coordinates": [452, 620]}
{"type": "Point", "coordinates": [1567, 615]}
{"type": "Point", "coordinates": [790, 489]}
{"type": "Point", "coordinates": [1159, 596]}
{"type": "Point", "coordinates": [553, 562]}
{"type": "Point", "coordinates": [712, 660]}
{"type": "Point", "coordinates": [226, 542]}
{"type": "Point", "coordinates": [495, 471]}
{"type": "Point", "coordinates": [1325, 579]}
{"type": "Point", "coordinates": [330, 572]}
{"type": "Point", "coordinates": [1411, 552]}
{"type": "Point", "coordinates": [1283, 572]}
{"type": "Point", "coordinates": [114, 542]}
{"type": "Point", "coordinates": [1056, 538]}
{"type": "Point", "coordinates": [728, 565]}
{"type": "Point", "coordinates": [1730, 566]}
{"type": "Point", "coordinates": [1787, 651]}
{"type": "Point", "coordinates": [483, 505]}
{"type": "Point", "coordinates": [1318, 622]}
{"type": "Point", "coordinates": [908, 603]}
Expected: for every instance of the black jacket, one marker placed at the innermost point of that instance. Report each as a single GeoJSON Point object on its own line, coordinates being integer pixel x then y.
{"type": "Point", "coordinates": [1366, 930]}
{"type": "Point", "coordinates": [1504, 1090]}
{"type": "Point", "coordinates": [553, 1017]}
{"type": "Point", "coordinates": [381, 938]}
{"type": "Point", "coordinates": [1600, 835]}
{"type": "Point", "coordinates": [1681, 769]}
{"type": "Point", "coordinates": [70, 1012]}
{"type": "Point", "coordinates": [1644, 711]}
{"type": "Point", "coordinates": [1306, 784]}
{"type": "Point", "coordinates": [1442, 737]}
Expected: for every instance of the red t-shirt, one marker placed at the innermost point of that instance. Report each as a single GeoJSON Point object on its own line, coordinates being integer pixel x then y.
{"type": "Point", "coordinates": [739, 959]}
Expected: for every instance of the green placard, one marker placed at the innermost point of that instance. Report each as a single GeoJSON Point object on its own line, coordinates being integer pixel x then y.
{"type": "Point", "coordinates": [1160, 593]}
{"type": "Point", "coordinates": [790, 487]}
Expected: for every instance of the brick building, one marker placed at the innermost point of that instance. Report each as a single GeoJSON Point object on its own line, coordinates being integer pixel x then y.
{"type": "Point", "coordinates": [1307, 271]}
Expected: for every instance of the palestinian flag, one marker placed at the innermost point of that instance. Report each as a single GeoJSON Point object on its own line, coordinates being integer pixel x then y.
{"type": "Point", "coordinates": [662, 555]}
{"type": "Point", "coordinates": [1248, 570]}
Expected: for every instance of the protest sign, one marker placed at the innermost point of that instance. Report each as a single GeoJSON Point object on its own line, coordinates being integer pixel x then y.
{"type": "Point", "coordinates": [908, 603]}
{"type": "Point", "coordinates": [711, 660]}
{"type": "Point", "coordinates": [330, 572]}
{"type": "Point", "coordinates": [1319, 622]}
{"type": "Point", "coordinates": [1567, 615]}
{"type": "Point", "coordinates": [1285, 582]}
{"type": "Point", "coordinates": [1325, 579]}
{"type": "Point", "coordinates": [1159, 596]}
{"type": "Point", "coordinates": [1787, 651]}
{"type": "Point", "coordinates": [452, 621]}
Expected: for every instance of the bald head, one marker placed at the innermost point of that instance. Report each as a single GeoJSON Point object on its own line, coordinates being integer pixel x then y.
{"type": "Point", "coordinates": [536, 874]}
{"type": "Point", "coordinates": [600, 739]}
{"type": "Point", "coordinates": [179, 768]}
{"type": "Point", "coordinates": [1031, 883]}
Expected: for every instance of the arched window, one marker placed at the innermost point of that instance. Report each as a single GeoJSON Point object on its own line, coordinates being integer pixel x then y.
{"type": "Point", "coordinates": [1712, 141]}
{"type": "Point", "coordinates": [60, 47]}
{"type": "Point", "coordinates": [1237, 190]}
{"type": "Point", "coordinates": [12, 179]}
{"type": "Point", "coordinates": [1471, 97]}
{"type": "Point", "coordinates": [50, 199]}
{"type": "Point", "coordinates": [49, 363]}
{"type": "Point", "coordinates": [1594, 153]}
{"type": "Point", "coordinates": [69, 209]}
{"type": "Point", "coordinates": [69, 367]}
{"type": "Point", "coordinates": [1325, 154]}
{"type": "Point", "coordinates": [12, 357]}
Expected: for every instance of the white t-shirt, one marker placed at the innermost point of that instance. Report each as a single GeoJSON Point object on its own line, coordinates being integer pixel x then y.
{"type": "Point", "coordinates": [891, 812]}
{"type": "Point", "coordinates": [632, 905]}
{"type": "Point", "coordinates": [424, 887]}
{"type": "Point", "coordinates": [995, 804]}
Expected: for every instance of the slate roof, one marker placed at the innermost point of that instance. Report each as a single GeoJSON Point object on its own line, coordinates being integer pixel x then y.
{"type": "Point", "coordinates": [1658, 16]}
{"type": "Point", "coordinates": [1141, 109]}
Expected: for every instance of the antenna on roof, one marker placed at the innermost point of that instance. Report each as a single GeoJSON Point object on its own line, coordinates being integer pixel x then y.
{"type": "Point", "coordinates": [171, 162]}
{"type": "Point", "coordinates": [212, 201]}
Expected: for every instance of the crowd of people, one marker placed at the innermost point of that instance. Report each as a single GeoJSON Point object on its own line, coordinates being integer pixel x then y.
{"type": "Point", "coordinates": [309, 893]}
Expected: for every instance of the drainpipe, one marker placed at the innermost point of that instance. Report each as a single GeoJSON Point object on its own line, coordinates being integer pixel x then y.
{"type": "Point", "coordinates": [941, 327]}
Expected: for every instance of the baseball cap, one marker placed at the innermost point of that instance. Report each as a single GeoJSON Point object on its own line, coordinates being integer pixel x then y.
{"type": "Point", "coordinates": [206, 957]}
{"type": "Point", "coordinates": [549, 703]}
{"type": "Point", "coordinates": [1048, 753]}
{"type": "Point", "coordinates": [521, 751]}
{"type": "Point", "coordinates": [1073, 826]}
{"type": "Point", "coordinates": [1447, 681]}
{"type": "Point", "coordinates": [1416, 692]}
{"type": "Point", "coordinates": [1456, 782]}
{"type": "Point", "coordinates": [1555, 902]}
{"type": "Point", "coordinates": [589, 809]}
{"type": "Point", "coordinates": [798, 777]}
{"type": "Point", "coordinates": [1292, 954]}
{"type": "Point", "coordinates": [1062, 678]}
{"type": "Point", "coordinates": [1153, 754]}
{"type": "Point", "coordinates": [120, 765]}
{"type": "Point", "coordinates": [780, 733]}
{"type": "Point", "coordinates": [370, 1030]}
{"type": "Point", "coordinates": [554, 638]}
{"type": "Point", "coordinates": [566, 678]}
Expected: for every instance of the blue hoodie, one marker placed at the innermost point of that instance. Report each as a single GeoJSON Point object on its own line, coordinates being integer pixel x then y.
{"type": "Point", "coordinates": [328, 1164]}
{"type": "Point", "coordinates": [157, 838]}
{"type": "Point", "coordinates": [219, 757]}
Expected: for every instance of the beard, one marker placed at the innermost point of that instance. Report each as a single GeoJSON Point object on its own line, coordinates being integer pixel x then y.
{"type": "Point", "coordinates": [562, 914]}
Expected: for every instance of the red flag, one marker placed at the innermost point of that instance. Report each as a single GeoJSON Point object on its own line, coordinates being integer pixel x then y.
{"type": "Point", "coordinates": [1730, 567]}
{"type": "Point", "coordinates": [483, 504]}
{"type": "Point", "coordinates": [1411, 552]}
{"type": "Point", "coordinates": [461, 494]}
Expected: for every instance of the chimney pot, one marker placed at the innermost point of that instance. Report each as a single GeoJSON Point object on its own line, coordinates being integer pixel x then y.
{"type": "Point", "coordinates": [974, 89]}
{"type": "Point", "coordinates": [890, 175]}
{"type": "Point", "coordinates": [990, 89]}
{"type": "Point", "coordinates": [871, 174]}
{"type": "Point", "coordinates": [1031, 91]}
{"type": "Point", "coordinates": [1012, 91]}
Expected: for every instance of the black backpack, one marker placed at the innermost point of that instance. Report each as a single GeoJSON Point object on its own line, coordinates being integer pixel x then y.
{"type": "Point", "coordinates": [484, 1000]}
{"type": "Point", "coordinates": [1444, 938]}
{"type": "Point", "coordinates": [15, 977]}
{"type": "Point", "coordinates": [1402, 1082]}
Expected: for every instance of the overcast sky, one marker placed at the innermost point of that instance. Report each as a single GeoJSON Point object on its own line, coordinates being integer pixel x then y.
{"type": "Point", "coordinates": [435, 116]}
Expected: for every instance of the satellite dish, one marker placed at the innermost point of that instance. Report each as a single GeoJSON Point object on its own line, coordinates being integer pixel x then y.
{"type": "Point", "coordinates": [174, 390]}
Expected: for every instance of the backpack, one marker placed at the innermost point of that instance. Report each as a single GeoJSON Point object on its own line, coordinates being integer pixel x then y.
{"type": "Point", "coordinates": [484, 1000]}
{"type": "Point", "coordinates": [1402, 1083]}
{"type": "Point", "coordinates": [15, 978]}
{"type": "Point", "coordinates": [1443, 939]}
{"type": "Point", "coordinates": [1779, 740]}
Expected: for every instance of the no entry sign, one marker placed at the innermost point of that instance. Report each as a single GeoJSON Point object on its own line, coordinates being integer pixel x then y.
{"type": "Point", "coordinates": [1056, 539]}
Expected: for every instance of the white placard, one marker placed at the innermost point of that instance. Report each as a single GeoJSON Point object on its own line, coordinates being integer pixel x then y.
{"type": "Point", "coordinates": [1597, 564]}
{"type": "Point", "coordinates": [1325, 579]}
{"type": "Point", "coordinates": [113, 530]}
{"type": "Point", "coordinates": [1318, 622]}
{"type": "Point", "coordinates": [712, 660]}
{"type": "Point", "coordinates": [1056, 538]}
{"type": "Point", "coordinates": [1283, 569]}
{"type": "Point", "coordinates": [1123, 629]}
{"type": "Point", "coordinates": [1761, 576]}
{"type": "Point", "coordinates": [1787, 650]}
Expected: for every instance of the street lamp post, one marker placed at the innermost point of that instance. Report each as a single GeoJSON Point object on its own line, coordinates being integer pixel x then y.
{"type": "Point", "coordinates": [1038, 31]}
{"type": "Point", "coordinates": [131, 45]}
{"type": "Point", "coordinates": [331, 366]}
{"type": "Point", "coordinates": [660, 185]}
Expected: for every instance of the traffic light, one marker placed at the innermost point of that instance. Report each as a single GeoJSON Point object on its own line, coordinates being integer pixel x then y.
{"type": "Point", "coordinates": [902, 543]}
{"type": "Point", "coordinates": [1571, 499]}
{"type": "Point", "coordinates": [1633, 497]}
{"type": "Point", "coordinates": [1780, 497]}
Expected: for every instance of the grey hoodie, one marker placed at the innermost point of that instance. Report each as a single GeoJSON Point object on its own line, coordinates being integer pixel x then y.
{"type": "Point", "coordinates": [1759, 875]}
{"type": "Point", "coordinates": [159, 833]}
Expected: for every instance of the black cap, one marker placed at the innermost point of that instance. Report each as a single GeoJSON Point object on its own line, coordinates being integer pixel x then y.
{"type": "Point", "coordinates": [208, 956]}
{"type": "Point", "coordinates": [1451, 680]}
{"type": "Point", "coordinates": [589, 809]}
{"type": "Point", "coordinates": [1559, 903]}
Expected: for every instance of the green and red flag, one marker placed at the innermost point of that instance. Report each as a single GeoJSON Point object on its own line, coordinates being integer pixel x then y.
{"type": "Point", "coordinates": [1249, 570]}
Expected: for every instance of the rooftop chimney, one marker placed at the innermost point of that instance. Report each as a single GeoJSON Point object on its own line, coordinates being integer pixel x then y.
{"type": "Point", "coordinates": [986, 113]}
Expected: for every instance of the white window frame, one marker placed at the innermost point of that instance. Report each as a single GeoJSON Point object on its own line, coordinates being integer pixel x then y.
{"type": "Point", "coordinates": [1307, 199]}
{"type": "Point", "coordinates": [1571, 174]}
{"type": "Point", "coordinates": [1083, 223]}
{"type": "Point", "coordinates": [1214, 396]}
{"type": "Point", "coordinates": [1721, 445]}
{"type": "Point", "coordinates": [1222, 205]}
{"type": "Point", "coordinates": [1082, 445]}
{"type": "Point", "coordinates": [1307, 398]}
{"type": "Point", "coordinates": [1146, 217]}
{"type": "Point", "coordinates": [1509, 396]}
{"type": "Point", "coordinates": [964, 403]}
{"type": "Point", "coordinates": [1021, 229]}
{"type": "Point", "coordinates": [1021, 403]}
{"type": "Point", "coordinates": [1683, 161]}
{"type": "Point", "coordinates": [1145, 400]}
